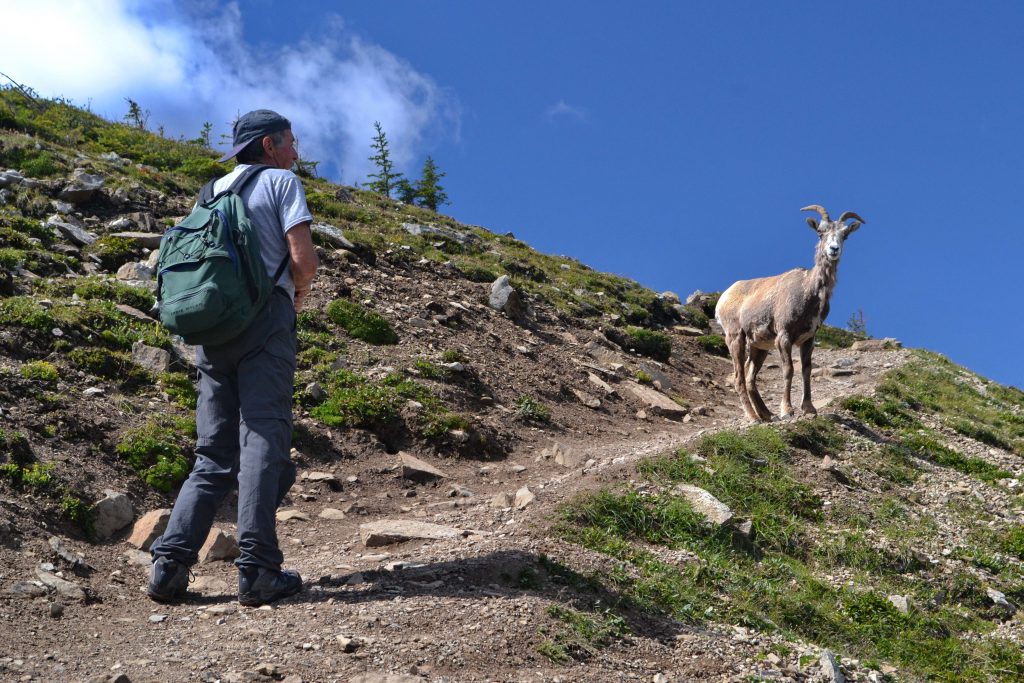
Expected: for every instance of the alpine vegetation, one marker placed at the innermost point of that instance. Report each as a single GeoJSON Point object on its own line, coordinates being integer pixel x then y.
{"type": "Point", "coordinates": [783, 311]}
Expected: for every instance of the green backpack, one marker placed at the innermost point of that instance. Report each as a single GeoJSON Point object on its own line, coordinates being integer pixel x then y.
{"type": "Point", "coordinates": [211, 280]}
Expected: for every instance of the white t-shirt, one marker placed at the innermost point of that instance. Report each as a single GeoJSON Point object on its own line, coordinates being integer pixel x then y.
{"type": "Point", "coordinates": [275, 202]}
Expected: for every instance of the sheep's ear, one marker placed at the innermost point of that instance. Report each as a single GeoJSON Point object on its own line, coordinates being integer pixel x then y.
{"type": "Point", "coordinates": [813, 223]}
{"type": "Point", "coordinates": [851, 228]}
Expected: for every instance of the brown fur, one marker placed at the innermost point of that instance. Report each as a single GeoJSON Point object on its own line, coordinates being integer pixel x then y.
{"type": "Point", "coordinates": [780, 312]}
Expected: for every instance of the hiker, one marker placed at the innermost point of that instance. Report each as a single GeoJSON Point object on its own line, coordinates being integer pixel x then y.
{"type": "Point", "coordinates": [244, 413]}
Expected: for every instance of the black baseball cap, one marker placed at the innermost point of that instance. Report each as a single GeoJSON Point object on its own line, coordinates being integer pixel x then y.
{"type": "Point", "coordinates": [253, 126]}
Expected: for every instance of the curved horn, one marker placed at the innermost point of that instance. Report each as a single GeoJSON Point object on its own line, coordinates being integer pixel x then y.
{"type": "Point", "coordinates": [820, 209]}
{"type": "Point", "coordinates": [851, 214]}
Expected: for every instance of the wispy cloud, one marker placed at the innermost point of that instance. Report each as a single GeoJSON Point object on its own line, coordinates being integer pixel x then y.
{"type": "Point", "coordinates": [563, 109]}
{"type": "Point", "coordinates": [190, 64]}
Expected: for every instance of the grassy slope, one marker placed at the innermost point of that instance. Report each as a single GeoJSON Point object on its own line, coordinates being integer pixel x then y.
{"type": "Point", "coordinates": [824, 572]}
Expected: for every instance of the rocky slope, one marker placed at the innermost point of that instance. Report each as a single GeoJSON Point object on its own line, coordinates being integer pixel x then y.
{"type": "Point", "coordinates": [496, 495]}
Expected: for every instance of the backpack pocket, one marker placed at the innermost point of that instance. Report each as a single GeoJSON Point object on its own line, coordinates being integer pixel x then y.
{"type": "Point", "coordinates": [194, 310]}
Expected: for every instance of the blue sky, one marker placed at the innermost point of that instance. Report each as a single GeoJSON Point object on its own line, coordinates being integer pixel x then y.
{"type": "Point", "coordinates": [671, 142]}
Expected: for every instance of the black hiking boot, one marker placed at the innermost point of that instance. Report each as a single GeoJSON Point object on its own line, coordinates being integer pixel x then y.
{"type": "Point", "coordinates": [168, 580]}
{"type": "Point", "coordinates": [259, 585]}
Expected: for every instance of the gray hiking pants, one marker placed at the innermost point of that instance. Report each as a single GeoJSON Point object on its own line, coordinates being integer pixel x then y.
{"type": "Point", "coordinates": [244, 425]}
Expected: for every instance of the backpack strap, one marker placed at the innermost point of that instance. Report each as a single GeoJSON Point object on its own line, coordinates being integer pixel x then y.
{"type": "Point", "coordinates": [239, 183]}
{"type": "Point", "coordinates": [280, 268]}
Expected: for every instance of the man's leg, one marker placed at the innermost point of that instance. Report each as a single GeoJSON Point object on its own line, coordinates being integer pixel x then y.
{"type": "Point", "coordinates": [266, 379]}
{"type": "Point", "coordinates": [212, 475]}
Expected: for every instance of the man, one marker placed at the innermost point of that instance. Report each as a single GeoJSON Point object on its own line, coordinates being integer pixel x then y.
{"type": "Point", "coordinates": [244, 414]}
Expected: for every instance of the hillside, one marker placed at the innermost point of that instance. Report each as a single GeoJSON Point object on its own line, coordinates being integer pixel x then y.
{"type": "Point", "coordinates": [535, 458]}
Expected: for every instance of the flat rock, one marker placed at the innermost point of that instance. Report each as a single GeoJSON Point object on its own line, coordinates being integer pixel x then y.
{"type": "Point", "coordinates": [418, 470]}
{"type": "Point", "coordinates": [135, 313]}
{"type": "Point", "coordinates": [135, 270]}
{"type": "Point", "coordinates": [331, 513]}
{"type": "Point", "coordinates": [219, 546]}
{"type": "Point", "coordinates": [586, 399]}
{"type": "Point", "coordinates": [713, 510]}
{"type": "Point", "coordinates": [524, 497]}
{"type": "Point", "coordinates": [566, 457]}
{"type": "Point", "coordinates": [26, 589]}
{"type": "Point", "coordinates": [460, 237]}
{"type": "Point", "coordinates": [601, 384]}
{"type": "Point", "coordinates": [211, 585]}
{"type": "Point", "coordinates": [71, 232]}
{"type": "Point", "coordinates": [149, 527]}
{"type": "Point", "coordinates": [322, 478]}
{"type": "Point", "coordinates": [655, 401]}
{"type": "Point", "coordinates": [332, 236]}
{"type": "Point", "coordinates": [111, 514]}
{"type": "Point", "coordinates": [285, 515]}
{"type": "Point", "coordinates": [502, 500]}
{"type": "Point", "coordinates": [388, 531]}
{"type": "Point", "coordinates": [146, 240]}
{"type": "Point", "coordinates": [688, 331]}
{"type": "Point", "coordinates": [886, 344]}
{"type": "Point", "coordinates": [153, 360]}
{"type": "Point", "coordinates": [67, 589]}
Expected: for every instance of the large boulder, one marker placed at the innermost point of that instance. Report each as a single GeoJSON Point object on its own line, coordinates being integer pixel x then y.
{"type": "Point", "coordinates": [111, 514]}
{"type": "Point", "coordinates": [82, 187]}
{"type": "Point", "coordinates": [150, 358]}
{"type": "Point", "coordinates": [72, 233]}
{"type": "Point", "coordinates": [149, 527]}
{"type": "Point", "coordinates": [506, 299]}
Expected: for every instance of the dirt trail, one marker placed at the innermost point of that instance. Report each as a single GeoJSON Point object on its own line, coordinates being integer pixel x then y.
{"type": "Point", "coordinates": [463, 609]}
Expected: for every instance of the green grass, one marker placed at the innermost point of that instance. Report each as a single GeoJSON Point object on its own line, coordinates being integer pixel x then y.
{"type": "Point", "coordinates": [99, 288]}
{"type": "Point", "coordinates": [93, 321]}
{"type": "Point", "coordinates": [970, 404]}
{"type": "Point", "coordinates": [828, 337]}
{"type": "Point", "coordinates": [34, 476]}
{"type": "Point", "coordinates": [113, 252]}
{"type": "Point", "coordinates": [530, 409]}
{"type": "Point", "coordinates": [751, 476]}
{"type": "Point", "coordinates": [580, 635]}
{"type": "Point", "coordinates": [779, 588]}
{"type": "Point", "coordinates": [159, 451]}
{"type": "Point", "coordinates": [713, 344]}
{"type": "Point", "coordinates": [41, 371]}
{"type": "Point", "coordinates": [820, 436]}
{"type": "Point", "coordinates": [180, 388]}
{"type": "Point", "coordinates": [650, 343]}
{"type": "Point", "coordinates": [362, 323]}
{"type": "Point", "coordinates": [116, 366]}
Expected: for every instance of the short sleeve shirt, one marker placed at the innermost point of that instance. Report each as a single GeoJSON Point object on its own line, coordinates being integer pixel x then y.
{"type": "Point", "coordinates": [275, 203]}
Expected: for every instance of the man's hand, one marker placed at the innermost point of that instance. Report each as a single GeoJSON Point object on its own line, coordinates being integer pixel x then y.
{"type": "Point", "coordinates": [303, 261]}
{"type": "Point", "coordinates": [300, 298]}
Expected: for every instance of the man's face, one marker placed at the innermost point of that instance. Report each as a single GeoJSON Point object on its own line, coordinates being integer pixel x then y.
{"type": "Point", "coordinates": [284, 155]}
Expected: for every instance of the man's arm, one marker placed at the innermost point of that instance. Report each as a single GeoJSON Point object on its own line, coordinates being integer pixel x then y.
{"type": "Point", "coordinates": [303, 262]}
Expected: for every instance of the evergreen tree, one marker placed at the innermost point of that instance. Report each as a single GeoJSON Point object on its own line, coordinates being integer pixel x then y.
{"type": "Point", "coordinates": [385, 180]}
{"type": "Point", "coordinates": [136, 117]}
{"type": "Point", "coordinates": [428, 190]}
{"type": "Point", "coordinates": [406, 191]}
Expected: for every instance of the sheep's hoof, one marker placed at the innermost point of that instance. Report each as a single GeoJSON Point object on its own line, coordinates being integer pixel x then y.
{"type": "Point", "coordinates": [809, 411]}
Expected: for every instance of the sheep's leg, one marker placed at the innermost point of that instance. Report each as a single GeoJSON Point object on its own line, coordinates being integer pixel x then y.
{"type": "Point", "coordinates": [785, 347]}
{"type": "Point", "coordinates": [805, 370]}
{"type": "Point", "coordinates": [754, 363]}
{"type": "Point", "coordinates": [737, 344]}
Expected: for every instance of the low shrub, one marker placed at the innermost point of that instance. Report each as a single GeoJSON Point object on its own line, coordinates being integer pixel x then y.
{"type": "Point", "coordinates": [361, 323]}
{"type": "Point", "coordinates": [713, 344]}
{"type": "Point", "coordinates": [530, 409]}
{"type": "Point", "coordinates": [157, 451]}
{"type": "Point", "coordinates": [113, 365]}
{"type": "Point", "coordinates": [40, 370]}
{"type": "Point", "coordinates": [113, 252]}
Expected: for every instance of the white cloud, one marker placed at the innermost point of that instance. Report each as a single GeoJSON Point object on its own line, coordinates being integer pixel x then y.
{"type": "Point", "coordinates": [188, 63]}
{"type": "Point", "coordinates": [561, 108]}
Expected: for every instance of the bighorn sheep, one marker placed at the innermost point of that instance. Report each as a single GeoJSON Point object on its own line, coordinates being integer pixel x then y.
{"type": "Point", "coordinates": [782, 311]}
